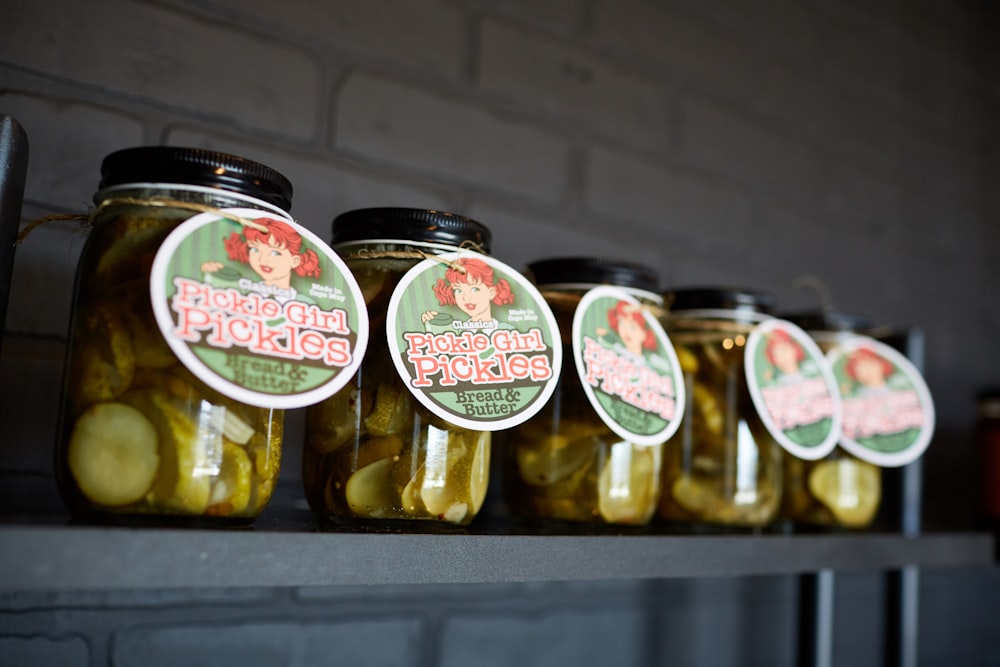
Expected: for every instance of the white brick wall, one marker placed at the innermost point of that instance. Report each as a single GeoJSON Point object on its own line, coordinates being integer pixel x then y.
{"type": "Point", "coordinates": [726, 142]}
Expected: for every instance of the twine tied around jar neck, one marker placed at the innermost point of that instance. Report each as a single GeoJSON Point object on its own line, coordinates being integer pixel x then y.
{"type": "Point", "coordinates": [87, 220]}
{"type": "Point", "coordinates": [364, 253]}
{"type": "Point", "coordinates": [557, 297]}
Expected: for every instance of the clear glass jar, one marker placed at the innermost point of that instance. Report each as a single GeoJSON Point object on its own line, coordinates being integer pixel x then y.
{"type": "Point", "coordinates": [722, 468]}
{"type": "Point", "coordinates": [141, 439]}
{"type": "Point", "coordinates": [565, 463]}
{"type": "Point", "coordinates": [839, 490]}
{"type": "Point", "coordinates": [372, 451]}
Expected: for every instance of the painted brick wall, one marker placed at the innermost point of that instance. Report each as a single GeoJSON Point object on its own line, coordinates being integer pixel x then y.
{"type": "Point", "coordinates": [722, 142]}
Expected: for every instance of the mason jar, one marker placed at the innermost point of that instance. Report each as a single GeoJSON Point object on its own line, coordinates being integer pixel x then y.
{"type": "Point", "coordinates": [722, 468]}
{"type": "Point", "coordinates": [373, 453]}
{"type": "Point", "coordinates": [141, 438]}
{"type": "Point", "coordinates": [838, 490]}
{"type": "Point", "coordinates": [566, 463]}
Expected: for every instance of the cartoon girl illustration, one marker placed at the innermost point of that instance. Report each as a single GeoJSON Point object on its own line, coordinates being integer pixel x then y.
{"type": "Point", "coordinates": [475, 292]}
{"type": "Point", "coordinates": [869, 369]}
{"type": "Point", "coordinates": [273, 255]}
{"type": "Point", "coordinates": [784, 353]}
{"type": "Point", "coordinates": [627, 320]}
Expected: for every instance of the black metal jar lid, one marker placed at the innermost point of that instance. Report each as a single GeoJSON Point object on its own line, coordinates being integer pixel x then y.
{"type": "Point", "coordinates": [718, 298]}
{"type": "Point", "coordinates": [196, 166]}
{"type": "Point", "coordinates": [409, 224]}
{"type": "Point", "coordinates": [594, 271]}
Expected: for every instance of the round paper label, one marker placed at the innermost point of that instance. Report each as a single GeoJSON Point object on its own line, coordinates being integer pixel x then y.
{"type": "Point", "coordinates": [259, 308]}
{"type": "Point", "coordinates": [627, 366]}
{"type": "Point", "coordinates": [793, 389]}
{"type": "Point", "coordinates": [474, 341]}
{"type": "Point", "coordinates": [888, 410]}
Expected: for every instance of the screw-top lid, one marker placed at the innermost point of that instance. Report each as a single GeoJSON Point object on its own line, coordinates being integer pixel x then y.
{"type": "Point", "coordinates": [196, 166]}
{"type": "Point", "coordinates": [718, 298]}
{"type": "Point", "coordinates": [828, 320]}
{"type": "Point", "coordinates": [593, 271]}
{"type": "Point", "coordinates": [409, 224]}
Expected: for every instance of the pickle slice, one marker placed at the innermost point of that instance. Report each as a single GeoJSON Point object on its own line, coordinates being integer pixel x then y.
{"type": "Point", "coordinates": [392, 408]}
{"type": "Point", "coordinates": [231, 490]}
{"type": "Point", "coordinates": [554, 458]}
{"type": "Point", "coordinates": [113, 454]}
{"type": "Point", "coordinates": [850, 488]}
{"type": "Point", "coordinates": [708, 408]}
{"type": "Point", "coordinates": [480, 473]}
{"type": "Point", "coordinates": [334, 422]}
{"type": "Point", "coordinates": [103, 362]}
{"type": "Point", "coordinates": [189, 457]}
{"type": "Point", "coordinates": [626, 484]}
{"type": "Point", "coordinates": [148, 345]}
{"type": "Point", "coordinates": [687, 359]}
{"type": "Point", "coordinates": [693, 495]}
{"type": "Point", "coordinates": [369, 492]}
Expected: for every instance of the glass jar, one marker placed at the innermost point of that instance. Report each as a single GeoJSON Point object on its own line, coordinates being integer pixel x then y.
{"type": "Point", "coordinates": [372, 451]}
{"type": "Point", "coordinates": [565, 463]}
{"type": "Point", "coordinates": [723, 468]}
{"type": "Point", "coordinates": [838, 490]}
{"type": "Point", "coordinates": [141, 439]}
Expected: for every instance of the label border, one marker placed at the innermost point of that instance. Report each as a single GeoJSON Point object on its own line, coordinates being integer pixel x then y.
{"type": "Point", "coordinates": [917, 449]}
{"type": "Point", "coordinates": [750, 369]}
{"type": "Point", "coordinates": [391, 332]}
{"type": "Point", "coordinates": [680, 397]}
{"type": "Point", "coordinates": [162, 313]}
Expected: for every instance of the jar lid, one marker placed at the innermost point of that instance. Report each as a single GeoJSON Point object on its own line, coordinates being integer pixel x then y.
{"type": "Point", "coordinates": [828, 320]}
{"type": "Point", "coordinates": [594, 271]}
{"type": "Point", "coordinates": [409, 224]}
{"type": "Point", "coordinates": [196, 166]}
{"type": "Point", "coordinates": [718, 298]}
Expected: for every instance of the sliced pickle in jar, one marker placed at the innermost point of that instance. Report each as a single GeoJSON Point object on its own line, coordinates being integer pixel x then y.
{"type": "Point", "coordinates": [694, 495]}
{"type": "Point", "coordinates": [125, 239]}
{"type": "Point", "coordinates": [392, 410]}
{"type": "Point", "coordinates": [148, 345]}
{"type": "Point", "coordinates": [708, 408]}
{"type": "Point", "coordinates": [626, 486]}
{"type": "Point", "coordinates": [450, 485]}
{"type": "Point", "coordinates": [479, 473]}
{"type": "Point", "coordinates": [687, 359]}
{"type": "Point", "coordinates": [848, 487]}
{"type": "Point", "coordinates": [554, 458]}
{"type": "Point", "coordinates": [334, 422]}
{"type": "Point", "coordinates": [103, 363]}
{"type": "Point", "coordinates": [369, 492]}
{"type": "Point", "coordinates": [113, 454]}
{"type": "Point", "coordinates": [190, 456]}
{"type": "Point", "coordinates": [370, 281]}
{"type": "Point", "coordinates": [231, 489]}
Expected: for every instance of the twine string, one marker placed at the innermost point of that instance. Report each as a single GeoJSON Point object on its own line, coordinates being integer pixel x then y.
{"type": "Point", "coordinates": [364, 253]}
{"type": "Point", "coordinates": [87, 220]}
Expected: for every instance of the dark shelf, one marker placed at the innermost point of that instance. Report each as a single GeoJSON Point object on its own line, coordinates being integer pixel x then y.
{"type": "Point", "coordinates": [279, 552]}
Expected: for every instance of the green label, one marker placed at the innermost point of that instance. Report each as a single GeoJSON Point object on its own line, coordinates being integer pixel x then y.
{"type": "Point", "coordinates": [793, 389]}
{"type": "Point", "coordinates": [474, 341]}
{"type": "Point", "coordinates": [259, 308]}
{"type": "Point", "coordinates": [888, 411]}
{"type": "Point", "coordinates": [628, 366]}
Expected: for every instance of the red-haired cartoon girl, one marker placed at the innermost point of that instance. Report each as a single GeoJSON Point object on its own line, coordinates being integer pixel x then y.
{"type": "Point", "coordinates": [273, 254]}
{"type": "Point", "coordinates": [868, 368]}
{"type": "Point", "coordinates": [784, 352]}
{"type": "Point", "coordinates": [629, 323]}
{"type": "Point", "coordinates": [475, 291]}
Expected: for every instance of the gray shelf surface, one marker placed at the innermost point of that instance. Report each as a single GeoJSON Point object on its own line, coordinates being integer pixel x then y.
{"type": "Point", "coordinates": [66, 557]}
